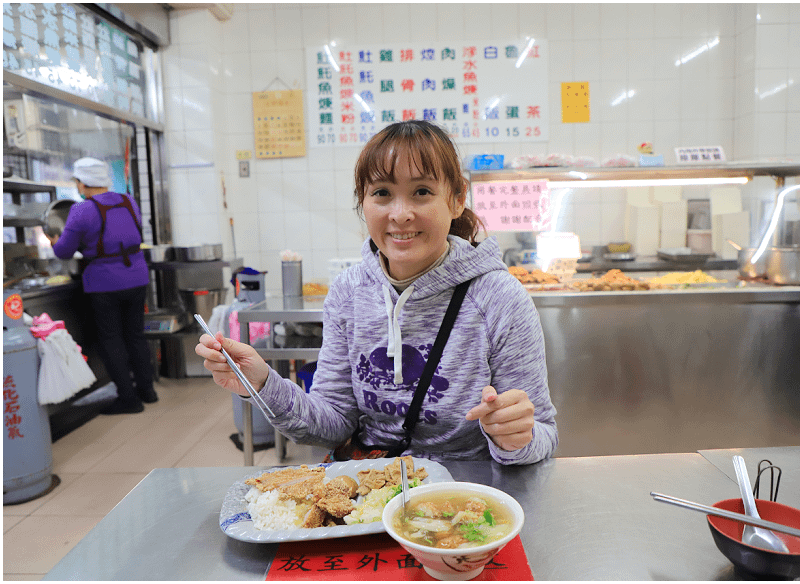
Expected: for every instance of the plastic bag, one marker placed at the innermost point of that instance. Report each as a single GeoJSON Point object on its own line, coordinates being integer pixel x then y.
{"type": "Point", "coordinates": [63, 371]}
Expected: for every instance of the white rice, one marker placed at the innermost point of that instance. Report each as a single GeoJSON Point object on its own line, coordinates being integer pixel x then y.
{"type": "Point", "coordinates": [268, 512]}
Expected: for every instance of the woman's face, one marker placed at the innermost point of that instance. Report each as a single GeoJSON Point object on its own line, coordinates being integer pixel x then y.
{"type": "Point", "coordinates": [409, 219]}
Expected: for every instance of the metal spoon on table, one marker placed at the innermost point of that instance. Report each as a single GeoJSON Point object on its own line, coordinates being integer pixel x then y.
{"type": "Point", "coordinates": [752, 535]}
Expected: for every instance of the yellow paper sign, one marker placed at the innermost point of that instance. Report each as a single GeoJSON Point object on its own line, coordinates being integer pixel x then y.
{"type": "Point", "coordinates": [243, 155]}
{"type": "Point", "coordinates": [279, 124]}
{"type": "Point", "coordinates": [575, 102]}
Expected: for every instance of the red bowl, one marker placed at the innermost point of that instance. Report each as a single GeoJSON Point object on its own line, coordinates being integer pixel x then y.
{"type": "Point", "coordinates": [751, 560]}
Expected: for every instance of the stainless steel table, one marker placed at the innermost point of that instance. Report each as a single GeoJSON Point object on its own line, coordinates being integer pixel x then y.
{"type": "Point", "coordinates": [586, 519]}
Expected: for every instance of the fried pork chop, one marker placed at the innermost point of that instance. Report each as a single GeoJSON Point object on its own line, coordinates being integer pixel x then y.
{"type": "Point", "coordinates": [269, 481]}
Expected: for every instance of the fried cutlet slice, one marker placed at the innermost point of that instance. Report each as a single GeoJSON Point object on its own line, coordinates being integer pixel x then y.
{"type": "Point", "coordinates": [271, 480]}
{"type": "Point", "coordinates": [315, 517]}
{"type": "Point", "coordinates": [337, 504]}
{"type": "Point", "coordinates": [393, 472]}
{"type": "Point", "coordinates": [301, 489]}
{"type": "Point", "coordinates": [370, 479]}
{"type": "Point", "coordinates": [343, 484]}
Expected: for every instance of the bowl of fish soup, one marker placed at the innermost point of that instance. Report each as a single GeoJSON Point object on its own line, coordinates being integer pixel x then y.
{"type": "Point", "coordinates": [452, 528]}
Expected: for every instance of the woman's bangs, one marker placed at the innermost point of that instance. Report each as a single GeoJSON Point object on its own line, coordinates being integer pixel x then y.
{"type": "Point", "coordinates": [382, 160]}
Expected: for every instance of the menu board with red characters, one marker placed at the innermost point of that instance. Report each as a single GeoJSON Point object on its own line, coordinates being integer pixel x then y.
{"type": "Point", "coordinates": [478, 91]}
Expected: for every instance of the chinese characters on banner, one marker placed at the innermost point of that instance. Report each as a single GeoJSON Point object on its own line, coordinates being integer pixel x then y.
{"type": "Point", "coordinates": [66, 47]}
{"type": "Point", "coordinates": [513, 205]}
{"type": "Point", "coordinates": [379, 558]}
{"type": "Point", "coordinates": [11, 417]}
{"type": "Point", "coordinates": [477, 91]}
{"type": "Point", "coordinates": [278, 124]}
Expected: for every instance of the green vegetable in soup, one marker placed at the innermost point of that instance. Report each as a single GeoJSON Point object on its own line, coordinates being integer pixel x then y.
{"type": "Point", "coordinates": [453, 520]}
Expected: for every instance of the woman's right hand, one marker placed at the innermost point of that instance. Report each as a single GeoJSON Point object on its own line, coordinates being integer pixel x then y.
{"type": "Point", "coordinates": [254, 367]}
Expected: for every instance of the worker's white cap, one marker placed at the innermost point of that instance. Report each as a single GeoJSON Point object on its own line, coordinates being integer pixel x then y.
{"type": "Point", "coordinates": [92, 172]}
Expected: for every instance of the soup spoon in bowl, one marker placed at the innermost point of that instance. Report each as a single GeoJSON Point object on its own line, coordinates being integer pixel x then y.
{"type": "Point", "coordinates": [404, 483]}
{"type": "Point", "coordinates": [752, 535]}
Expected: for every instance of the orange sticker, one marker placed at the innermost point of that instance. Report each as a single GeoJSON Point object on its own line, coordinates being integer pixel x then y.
{"type": "Point", "coordinates": [13, 306]}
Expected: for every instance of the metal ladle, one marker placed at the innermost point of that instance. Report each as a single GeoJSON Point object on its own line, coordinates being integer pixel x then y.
{"type": "Point", "coordinates": [752, 535]}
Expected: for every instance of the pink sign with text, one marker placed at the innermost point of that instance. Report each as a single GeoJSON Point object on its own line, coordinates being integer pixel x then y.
{"type": "Point", "coordinates": [513, 205]}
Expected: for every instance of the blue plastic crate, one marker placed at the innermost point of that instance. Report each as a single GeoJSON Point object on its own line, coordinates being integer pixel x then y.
{"type": "Point", "coordinates": [487, 162]}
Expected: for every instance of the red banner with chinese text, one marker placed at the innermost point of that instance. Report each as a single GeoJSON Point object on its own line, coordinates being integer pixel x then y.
{"type": "Point", "coordinates": [378, 557]}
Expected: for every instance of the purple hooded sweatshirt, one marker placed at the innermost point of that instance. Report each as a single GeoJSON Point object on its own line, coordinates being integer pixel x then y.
{"type": "Point", "coordinates": [361, 378]}
{"type": "Point", "coordinates": [81, 233]}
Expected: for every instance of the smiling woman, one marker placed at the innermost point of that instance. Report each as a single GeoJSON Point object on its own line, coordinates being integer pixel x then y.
{"type": "Point", "coordinates": [408, 216]}
{"type": "Point", "coordinates": [486, 398]}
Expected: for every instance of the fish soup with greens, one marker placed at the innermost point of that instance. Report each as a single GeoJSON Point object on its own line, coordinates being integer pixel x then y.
{"type": "Point", "coordinates": [452, 519]}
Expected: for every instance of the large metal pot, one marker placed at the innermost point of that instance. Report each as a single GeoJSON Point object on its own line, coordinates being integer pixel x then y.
{"type": "Point", "coordinates": [201, 302]}
{"type": "Point", "coordinates": [157, 253]}
{"type": "Point", "coordinates": [747, 269]}
{"type": "Point", "coordinates": [198, 253]}
{"type": "Point", "coordinates": [783, 265]}
{"type": "Point", "coordinates": [55, 217]}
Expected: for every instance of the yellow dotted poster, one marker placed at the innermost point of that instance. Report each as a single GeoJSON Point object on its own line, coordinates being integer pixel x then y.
{"type": "Point", "coordinates": [278, 124]}
{"type": "Point", "coordinates": [575, 102]}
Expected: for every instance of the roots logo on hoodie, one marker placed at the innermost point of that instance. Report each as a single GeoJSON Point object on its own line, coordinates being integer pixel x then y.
{"type": "Point", "coordinates": [377, 370]}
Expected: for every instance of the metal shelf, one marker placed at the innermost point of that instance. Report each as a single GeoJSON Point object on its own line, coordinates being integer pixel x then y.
{"type": "Point", "coordinates": [22, 221]}
{"type": "Point", "coordinates": [20, 185]}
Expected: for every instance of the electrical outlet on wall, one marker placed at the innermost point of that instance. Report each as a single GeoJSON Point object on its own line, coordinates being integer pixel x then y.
{"type": "Point", "coordinates": [244, 168]}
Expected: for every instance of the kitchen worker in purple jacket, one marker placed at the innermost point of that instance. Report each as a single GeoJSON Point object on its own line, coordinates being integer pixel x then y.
{"type": "Point", "coordinates": [106, 229]}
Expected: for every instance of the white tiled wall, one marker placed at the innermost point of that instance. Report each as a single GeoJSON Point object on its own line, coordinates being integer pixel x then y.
{"type": "Point", "coordinates": [743, 93]}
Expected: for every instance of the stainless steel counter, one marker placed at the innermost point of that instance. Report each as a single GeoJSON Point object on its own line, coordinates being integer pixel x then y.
{"type": "Point", "coordinates": [650, 372]}
{"type": "Point", "coordinates": [655, 264]}
{"type": "Point", "coordinates": [586, 519]}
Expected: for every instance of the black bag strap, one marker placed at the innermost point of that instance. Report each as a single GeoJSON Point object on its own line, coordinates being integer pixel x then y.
{"type": "Point", "coordinates": [427, 373]}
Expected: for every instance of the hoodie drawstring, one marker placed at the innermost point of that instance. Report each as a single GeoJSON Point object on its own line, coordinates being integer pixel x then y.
{"type": "Point", "coordinates": [395, 345]}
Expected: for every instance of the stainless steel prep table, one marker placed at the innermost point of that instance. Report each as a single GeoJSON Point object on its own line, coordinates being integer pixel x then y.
{"type": "Point", "coordinates": [586, 519]}
{"type": "Point", "coordinates": [277, 309]}
{"type": "Point", "coordinates": [673, 370]}
{"type": "Point", "coordinates": [646, 372]}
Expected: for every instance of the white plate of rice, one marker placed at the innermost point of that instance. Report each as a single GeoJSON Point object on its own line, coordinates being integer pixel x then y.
{"type": "Point", "coordinates": [275, 520]}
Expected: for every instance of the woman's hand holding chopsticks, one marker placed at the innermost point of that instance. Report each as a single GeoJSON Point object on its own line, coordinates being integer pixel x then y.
{"type": "Point", "coordinates": [252, 365]}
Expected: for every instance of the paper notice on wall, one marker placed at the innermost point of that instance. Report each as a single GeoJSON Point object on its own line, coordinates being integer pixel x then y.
{"type": "Point", "coordinates": [513, 205]}
{"type": "Point", "coordinates": [575, 102]}
{"type": "Point", "coordinates": [278, 124]}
